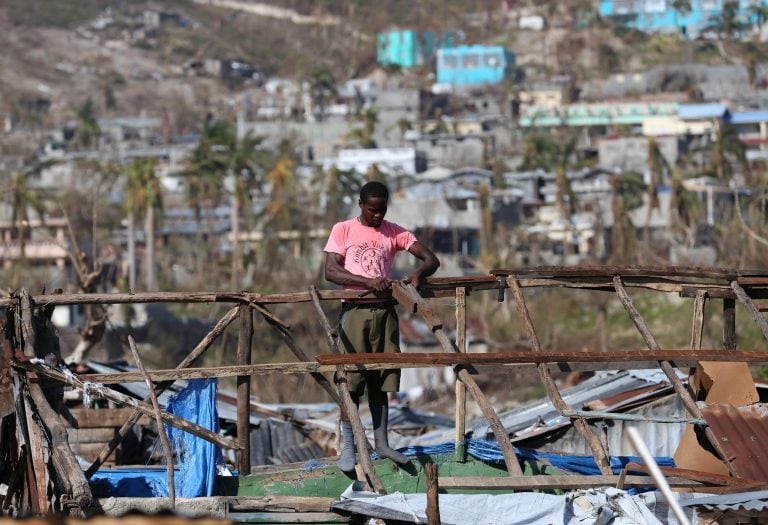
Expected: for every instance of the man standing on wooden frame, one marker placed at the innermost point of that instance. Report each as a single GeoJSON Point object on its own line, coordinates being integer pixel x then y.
{"type": "Point", "coordinates": [359, 255]}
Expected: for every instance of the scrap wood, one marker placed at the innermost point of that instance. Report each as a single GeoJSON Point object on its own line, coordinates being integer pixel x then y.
{"type": "Point", "coordinates": [102, 391]}
{"type": "Point", "coordinates": [408, 295]}
{"type": "Point", "coordinates": [159, 419]}
{"type": "Point", "coordinates": [598, 450]}
{"type": "Point", "coordinates": [196, 352]}
{"type": "Point", "coordinates": [555, 482]}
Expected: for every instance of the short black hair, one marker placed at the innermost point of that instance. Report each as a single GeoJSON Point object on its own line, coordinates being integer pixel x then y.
{"type": "Point", "coordinates": [374, 190]}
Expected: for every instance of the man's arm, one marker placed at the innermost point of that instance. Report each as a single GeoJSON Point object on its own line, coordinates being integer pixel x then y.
{"type": "Point", "coordinates": [429, 264]}
{"type": "Point", "coordinates": [336, 273]}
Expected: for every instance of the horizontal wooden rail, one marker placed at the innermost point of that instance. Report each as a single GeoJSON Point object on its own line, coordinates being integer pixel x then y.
{"type": "Point", "coordinates": [498, 362]}
{"type": "Point", "coordinates": [441, 359]}
{"type": "Point", "coordinates": [548, 277]}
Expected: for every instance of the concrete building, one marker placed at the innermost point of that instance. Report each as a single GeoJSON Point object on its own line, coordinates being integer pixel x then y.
{"type": "Point", "coordinates": [473, 65]}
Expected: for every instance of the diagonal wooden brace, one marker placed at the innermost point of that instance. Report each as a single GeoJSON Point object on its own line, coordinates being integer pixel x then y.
{"type": "Point", "coordinates": [409, 294]}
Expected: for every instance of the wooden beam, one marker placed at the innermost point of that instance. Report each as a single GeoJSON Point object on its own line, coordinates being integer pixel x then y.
{"type": "Point", "coordinates": [489, 363]}
{"type": "Point", "coordinates": [532, 356]}
{"type": "Point", "coordinates": [617, 270]}
{"type": "Point", "coordinates": [245, 338]}
{"type": "Point", "coordinates": [555, 482]}
{"type": "Point", "coordinates": [589, 414]}
{"type": "Point", "coordinates": [745, 299]}
{"type": "Point", "coordinates": [407, 294]}
{"type": "Point", "coordinates": [667, 368]}
{"type": "Point", "coordinates": [598, 452]}
{"type": "Point", "coordinates": [159, 419]}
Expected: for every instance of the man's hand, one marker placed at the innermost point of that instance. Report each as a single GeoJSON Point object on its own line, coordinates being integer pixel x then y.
{"type": "Point", "coordinates": [378, 284]}
{"type": "Point", "coordinates": [415, 278]}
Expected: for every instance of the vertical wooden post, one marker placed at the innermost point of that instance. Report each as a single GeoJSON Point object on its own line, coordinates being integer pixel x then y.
{"type": "Point", "coordinates": [433, 498]}
{"type": "Point", "coordinates": [599, 453]}
{"type": "Point", "coordinates": [697, 327]}
{"type": "Point", "coordinates": [245, 336]}
{"type": "Point", "coordinates": [461, 389]}
{"type": "Point", "coordinates": [729, 324]}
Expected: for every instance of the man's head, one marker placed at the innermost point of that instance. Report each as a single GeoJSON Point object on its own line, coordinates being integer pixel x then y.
{"type": "Point", "coordinates": [374, 197]}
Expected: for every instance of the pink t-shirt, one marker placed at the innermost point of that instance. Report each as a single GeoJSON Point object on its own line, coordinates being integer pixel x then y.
{"type": "Point", "coordinates": [367, 251]}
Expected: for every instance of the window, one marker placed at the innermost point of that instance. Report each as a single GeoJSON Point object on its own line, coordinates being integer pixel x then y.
{"type": "Point", "coordinates": [709, 5]}
{"type": "Point", "coordinates": [623, 7]}
{"type": "Point", "coordinates": [450, 61]}
{"type": "Point", "coordinates": [655, 6]}
{"type": "Point", "coordinates": [471, 61]}
{"type": "Point", "coordinates": [492, 60]}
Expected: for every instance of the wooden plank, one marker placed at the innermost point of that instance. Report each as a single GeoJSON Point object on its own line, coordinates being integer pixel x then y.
{"type": "Point", "coordinates": [280, 503]}
{"type": "Point", "coordinates": [244, 341]}
{"type": "Point", "coordinates": [614, 270]}
{"type": "Point", "coordinates": [705, 477]}
{"type": "Point", "coordinates": [407, 294]}
{"type": "Point", "coordinates": [598, 451]}
{"type": "Point", "coordinates": [90, 451]}
{"type": "Point", "coordinates": [459, 387]}
{"type": "Point", "coordinates": [667, 368]}
{"type": "Point", "coordinates": [100, 417]}
{"type": "Point", "coordinates": [697, 324]}
{"type": "Point", "coordinates": [554, 482]}
{"type": "Point", "coordinates": [289, 517]}
{"type": "Point", "coordinates": [91, 435]}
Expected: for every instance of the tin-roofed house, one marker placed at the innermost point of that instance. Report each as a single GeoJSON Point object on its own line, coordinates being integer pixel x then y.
{"type": "Point", "coordinates": [473, 65]}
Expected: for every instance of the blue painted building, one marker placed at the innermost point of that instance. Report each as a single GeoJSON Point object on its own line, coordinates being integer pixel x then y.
{"type": "Point", "coordinates": [473, 65]}
{"type": "Point", "coordinates": [659, 16]}
{"type": "Point", "coordinates": [409, 48]}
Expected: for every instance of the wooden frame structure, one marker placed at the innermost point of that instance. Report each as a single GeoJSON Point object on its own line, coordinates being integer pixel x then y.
{"type": "Point", "coordinates": [699, 284]}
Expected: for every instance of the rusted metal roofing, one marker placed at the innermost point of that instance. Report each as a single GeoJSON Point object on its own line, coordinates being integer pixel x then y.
{"type": "Point", "coordinates": [743, 434]}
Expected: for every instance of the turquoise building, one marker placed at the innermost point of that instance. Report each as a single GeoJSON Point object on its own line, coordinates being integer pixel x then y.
{"type": "Point", "coordinates": [473, 65]}
{"type": "Point", "coordinates": [409, 48]}
{"type": "Point", "coordinates": [660, 16]}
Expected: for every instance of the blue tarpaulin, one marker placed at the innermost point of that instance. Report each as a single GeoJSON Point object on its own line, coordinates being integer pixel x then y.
{"type": "Point", "coordinates": [196, 459]}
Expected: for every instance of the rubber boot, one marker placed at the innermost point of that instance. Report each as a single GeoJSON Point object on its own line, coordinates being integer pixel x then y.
{"type": "Point", "coordinates": [347, 458]}
{"type": "Point", "coordinates": [380, 416]}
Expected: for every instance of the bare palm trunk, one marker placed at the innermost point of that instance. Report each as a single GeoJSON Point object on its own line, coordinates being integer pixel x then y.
{"type": "Point", "coordinates": [149, 252]}
{"type": "Point", "coordinates": [236, 248]}
{"type": "Point", "coordinates": [131, 251]}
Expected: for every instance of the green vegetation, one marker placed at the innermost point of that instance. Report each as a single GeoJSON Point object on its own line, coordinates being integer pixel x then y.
{"type": "Point", "coordinates": [46, 13]}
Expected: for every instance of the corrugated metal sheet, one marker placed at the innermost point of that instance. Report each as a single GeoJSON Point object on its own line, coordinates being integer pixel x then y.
{"type": "Point", "coordinates": [749, 117]}
{"type": "Point", "coordinates": [701, 111]}
{"type": "Point", "coordinates": [743, 434]}
{"type": "Point", "coordinates": [539, 417]}
{"type": "Point", "coordinates": [750, 501]}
